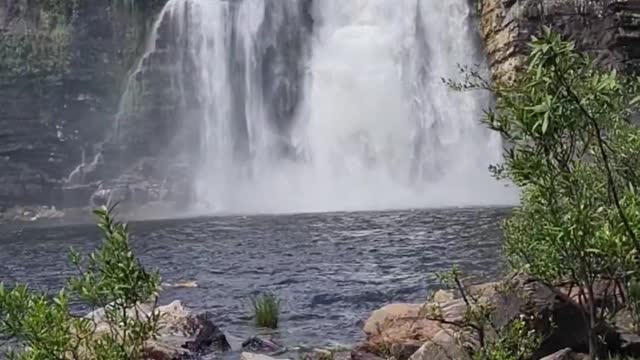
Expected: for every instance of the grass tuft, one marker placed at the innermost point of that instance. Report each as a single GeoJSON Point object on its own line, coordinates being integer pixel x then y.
{"type": "Point", "coordinates": [266, 310]}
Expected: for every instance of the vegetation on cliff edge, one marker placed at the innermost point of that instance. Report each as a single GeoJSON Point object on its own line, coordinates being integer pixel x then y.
{"type": "Point", "coordinates": [42, 52]}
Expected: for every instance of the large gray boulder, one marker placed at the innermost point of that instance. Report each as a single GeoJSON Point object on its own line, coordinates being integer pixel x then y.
{"type": "Point", "coordinates": [435, 330]}
{"type": "Point", "coordinates": [182, 335]}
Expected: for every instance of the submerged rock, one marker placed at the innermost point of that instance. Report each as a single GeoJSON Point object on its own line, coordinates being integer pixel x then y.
{"type": "Point", "coordinates": [209, 337]}
{"type": "Point", "coordinates": [257, 344]}
{"type": "Point", "coordinates": [181, 284]}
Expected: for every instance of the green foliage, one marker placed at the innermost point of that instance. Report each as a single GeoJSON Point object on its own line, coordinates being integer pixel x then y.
{"type": "Point", "coordinates": [112, 280]}
{"type": "Point", "coordinates": [266, 310]}
{"type": "Point", "coordinates": [38, 55]}
{"type": "Point", "coordinates": [61, 10]}
{"type": "Point", "coordinates": [42, 53]}
{"type": "Point", "coordinates": [113, 275]}
{"type": "Point", "coordinates": [633, 295]}
{"type": "Point", "coordinates": [575, 155]}
{"type": "Point", "coordinates": [44, 325]}
{"type": "Point", "coordinates": [515, 340]}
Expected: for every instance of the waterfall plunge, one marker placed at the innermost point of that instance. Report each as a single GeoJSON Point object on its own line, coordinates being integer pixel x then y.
{"type": "Point", "coordinates": [350, 114]}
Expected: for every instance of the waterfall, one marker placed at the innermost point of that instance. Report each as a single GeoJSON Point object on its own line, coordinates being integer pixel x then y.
{"type": "Point", "coordinates": [325, 105]}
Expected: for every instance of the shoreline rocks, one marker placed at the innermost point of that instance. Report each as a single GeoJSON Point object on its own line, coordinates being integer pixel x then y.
{"type": "Point", "coordinates": [209, 337]}
{"type": "Point", "coordinates": [252, 356]}
{"type": "Point", "coordinates": [182, 334]}
{"type": "Point", "coordinates": [83, 215]}
{"type": "Point", "coordinates": [25, 214]}
{"type": "Point", "coordinates": [436, 330]}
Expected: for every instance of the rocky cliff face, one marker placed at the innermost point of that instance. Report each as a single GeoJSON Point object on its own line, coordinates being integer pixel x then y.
{"type": "Point", "coordinates": [89, 102]}
{"type": "Point", "coordinates": [61, 72]}
{"type": "Point", "coordinates": [608, 29]}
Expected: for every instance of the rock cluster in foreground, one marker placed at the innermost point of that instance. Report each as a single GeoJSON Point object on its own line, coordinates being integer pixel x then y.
{"type": "Point", "coordinates": [187, 336]}
{"type": "Point", "coordinates": [182, 335]}
{"type": "Point", "coordinates": [405, 331]}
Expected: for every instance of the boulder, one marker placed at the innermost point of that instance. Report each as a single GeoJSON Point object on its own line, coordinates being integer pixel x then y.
{"type": "Point", "coordinates": [441, 296]}
{"type": "Point", "coordinates": [398, 330]}
{"type": "Point", "coordinates": [391, 313]}
{"type": "Point", "coordinates": [257, 344]}
{"type": "Point", "coordinates": [433, 331]}
{"type": "Point", "coordinates": [363, 354]}
{"type": "Point", "coordinates": [442, 346]}
{"type": "Point", "coordinates": [324, 354]}
{"type": "Point", "coordinates": [209, 338]}
{"type": "Point", "coordinates": [566, 354]}
{"type": "Point", "coordinates": [557, 317]}
{"type": "Point", "coordinates": [630, 344]}
{"type": "Point", "coordinates": [175, 318]}
{"type": "Point", "coordinates": [181, 336]}
{"type": "Point", "coordinates": [235, 342]}
{"type": "Point", "coordinates": [157, 350]}
{"type": "Point", "coordinates": [252, 356]}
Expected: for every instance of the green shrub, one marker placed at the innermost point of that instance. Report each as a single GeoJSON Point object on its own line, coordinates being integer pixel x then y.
{"type": "Point", "coordinates": [266, 310]}
{"type": "Point", "coordinates": [515, 340]}
{"type": "Point", "coordinates": [40, 55]}
{"type": "Point", "coordinates": [110, 278]}
{"type": "Point", "coordinates": [575, 155]}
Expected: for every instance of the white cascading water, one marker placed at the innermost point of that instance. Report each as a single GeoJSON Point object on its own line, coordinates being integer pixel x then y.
{"type": "Point", "coordinates": [375, 127]}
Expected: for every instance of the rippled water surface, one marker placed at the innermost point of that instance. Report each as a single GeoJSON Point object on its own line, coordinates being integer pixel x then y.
{"type": "Point", "coordinates": [331, 270]}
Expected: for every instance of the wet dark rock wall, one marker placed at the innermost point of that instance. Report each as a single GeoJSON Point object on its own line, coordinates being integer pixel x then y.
{"type": "Point", "coordinates": [59, 114]}
{"type": "Point", "coordinates": [165, 97]}
{"type": "Point", "coordinates": [608, 29]}
{"type": "Point", "coordinates": [51, 115]}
